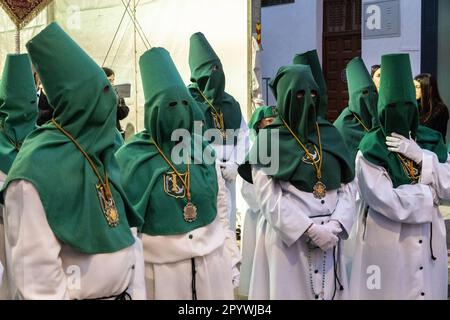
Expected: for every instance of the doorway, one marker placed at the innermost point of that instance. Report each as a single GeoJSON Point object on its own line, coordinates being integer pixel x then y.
{"type": "Point", "coordinates": [341, 43]}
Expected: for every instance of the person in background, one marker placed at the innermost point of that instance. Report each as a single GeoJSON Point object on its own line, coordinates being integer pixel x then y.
{"type": "Point", "coordinates": [433, 113]}
{"type": "Point", "coordinates": [18, 113]}
{"type": "Point", "coordinates": [221, 111]}
{"type": "Point", "coordinates": [261, 118]}
{"type": "Point", "coordinates": [122, 108]}
{"type": "Point", "coordinates": [375, 72]}
{"type": "Point", "coordinates": [45, 109]}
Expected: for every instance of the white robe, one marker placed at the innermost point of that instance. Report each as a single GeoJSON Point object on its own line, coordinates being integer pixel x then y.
{"type": "Point", "coordinates": [4, 292]}
{"type": "Point", "coordinates": [281, 268]}
{"type": "Point", "coordinates": [168, 260]}
{"type": "Point", "coordinates": [236, 154]}
{"type": "Point", "coordinates": [248, 240]}
{"type": "Point", "coordinates": [40, 267]}
{"type": "Point", "coordinates": [393, 256]}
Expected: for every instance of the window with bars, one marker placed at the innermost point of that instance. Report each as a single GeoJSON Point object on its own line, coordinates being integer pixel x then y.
{"type": "Point", "coordinates": [266, 3]}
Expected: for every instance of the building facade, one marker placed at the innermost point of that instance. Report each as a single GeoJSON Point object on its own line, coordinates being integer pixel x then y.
{"type": "Point", "coordinates": [343, 29]}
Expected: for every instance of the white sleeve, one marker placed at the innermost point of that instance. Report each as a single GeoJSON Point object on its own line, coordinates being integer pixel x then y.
{"type": "Point", "coordinates": [222, 211]}
{"type": "Point", "coordinates": [410, 203]}
{"type": "Point", "coordinates": [436, 174]}
{"type": "Point", "coordinates": [283, 215]}
{"type": "Point", "coordinates": [345, 211]}
{"type": "Point", "coordinates": [242, 147]}
{"type": "Point", "coordinates": [35, 265]}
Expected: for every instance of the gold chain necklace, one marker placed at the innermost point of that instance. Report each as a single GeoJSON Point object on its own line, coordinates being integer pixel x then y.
{"type": "Point", "coordinates": [104, 193]}
{"type": "Point", "coordinates": [190, 210]}
{"type": "Point", "coordinates": [216, 114]}
{"type": "Point", "coordinates": [408, 166]}
{"type": "Point", "coordinates": [319, 189]}
{"type": "Point", "coordinates": [360, 122]}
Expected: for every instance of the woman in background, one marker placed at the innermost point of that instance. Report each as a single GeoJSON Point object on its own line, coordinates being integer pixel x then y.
{"type": "Point", "coordinates": [433, 113]}
{"type": "Point", "coordinates": [375, 72]}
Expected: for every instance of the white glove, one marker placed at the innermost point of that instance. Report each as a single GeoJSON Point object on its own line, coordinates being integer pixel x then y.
{"type": "Point", "coordinates": [322, 236]}
{"type": "Point", "coordinates": [334, 227]}
{"type": "Point", "coordinates": [230, 171]}
{"type": "Point", "coordinates": [236, 276]}
{"type": "Point", "coordinates": [407, 147]}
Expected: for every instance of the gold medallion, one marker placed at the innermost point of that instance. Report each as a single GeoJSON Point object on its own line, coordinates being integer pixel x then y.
{"type": "Point", "coordinates": [190, 212]}
{"type": "Point", "coordinates": [108, 206]}
{"type": "Point", "coordinates": [219, 122]}
{"type": "Point", "coordinates": [319, 190]}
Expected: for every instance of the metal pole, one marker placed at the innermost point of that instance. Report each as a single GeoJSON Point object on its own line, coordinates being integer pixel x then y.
{"type": "Point", "coordinates": [249, 58]}
{"type": "Point", "coordinates": [17, 40]}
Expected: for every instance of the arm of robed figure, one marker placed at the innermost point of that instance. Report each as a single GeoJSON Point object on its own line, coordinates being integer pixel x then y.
{"type": "Point", "coordinates": [35, 266]}
{"type": "Point", "coordinates": [345, 211]}
{"type": "Point", "coordinates": [409, 203]}
{"type": "Point", "coordinates": [436, 174]}
{"type": "Point", "coordinates": [288, 221]}
{"type": "Point", "coordinates": [230, 236]}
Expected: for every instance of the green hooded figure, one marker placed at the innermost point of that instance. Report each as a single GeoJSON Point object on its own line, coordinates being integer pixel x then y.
{"type": "Point", "coordinates": [361, 114]}
{"type": "Point", "coordinates": [221, 110]}
{"type": "Point", "coordinates": [311, 58]}
{"type": "Point", "coordinates": [18, 107]}
{"type": "Point", "coordinates": [160, 187]}
{"type": "Point", "coordinates": [259, 114]}
{"type": "Point", "coordinates": [311, 153]}
{"type": "Point", "coordinates": [398, 112]}
{"type": "Point", "coordinates": [70, 160]}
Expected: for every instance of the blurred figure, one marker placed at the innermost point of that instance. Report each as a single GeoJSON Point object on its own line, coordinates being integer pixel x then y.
{"type": "Point", "coordinates": [45, 109]}
{"type": "Point", "coordinates": [375, 72]}
{"type": "Point", "coordinates": [433, 113]}
{"type": "Point", "coordinates": [122, 108]}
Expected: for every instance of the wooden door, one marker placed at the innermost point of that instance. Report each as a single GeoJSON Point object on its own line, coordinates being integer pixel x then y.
{"type": "Point", "coordinates": [341, 43]}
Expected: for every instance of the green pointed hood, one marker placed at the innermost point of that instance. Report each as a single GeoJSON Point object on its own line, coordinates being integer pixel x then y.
{"type": "Point", "coordinates": [18, 107]}
{"type": "Point", "coordinates": [361, 113]}
{"type": "Point", "coordinates": [208, 80]}
{"type": "Point", "coordinates": [363, 95]}
{"type": "Point", "coordinates": [295, 88]}
{"type": "Point", "coordinates": [259, 114]}
{"type": "Point", "coordinates": [311, 58]}
{"type": "Point", "coordinates": [148, 179]}
{"type": "Point", "coordinates": [85, 106]}
{"type": "Point", "coordinates": [398, 112]}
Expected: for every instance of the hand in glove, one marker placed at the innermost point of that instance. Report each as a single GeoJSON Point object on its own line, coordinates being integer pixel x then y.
{"type": "Point", "coordinates": [407, 147]}
{"type": "Point", "coordinates": [322, 236]}
{"type": "Point", "coordinates": [230, 171]}
{"type": "Point", "coordinates": [436, 200]}
{"type": "Point", "coordinates": [334, 227]}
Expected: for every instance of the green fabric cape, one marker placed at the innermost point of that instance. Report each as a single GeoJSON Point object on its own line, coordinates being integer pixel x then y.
{"type": "Point", "coordinates": [18, 107]}
{"type": "Point", "coordinates": [85, 106]}
{"type": "Point", "coordinates": [362, 104]}
{"type": "Point", "coordinates": [311, 58]}
{"type": "Point", "coordinates": [398, 112]}
{"type": "Point", "coordinates": [299, 113]}
{"type": "Point", "coordinates": [168, 106]}
{"type": "Point", "coordinates": [202, 59]}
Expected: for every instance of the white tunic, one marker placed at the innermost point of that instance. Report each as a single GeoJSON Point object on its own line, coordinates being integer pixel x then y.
{"type": "Point", "coordinates": [248, 240]}
{"type": "Point", "coordinates": [282, 268]}
{"type": "Point", "coordinates": [40, 267]}
{"type": "Point", "coordinates": [3, 281]}
{"type": "Point", "coordinates": [168, 260]}
{"type": "Point", "coordinates": [393, 250]}
{"type": "Point", "coordinates": [235, 154]}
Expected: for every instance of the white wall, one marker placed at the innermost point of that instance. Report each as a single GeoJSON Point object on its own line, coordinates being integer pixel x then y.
{"type": "Point", "coordinates": [286, 30]}
{"type": "Point", "coordinates": [408, 42]}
